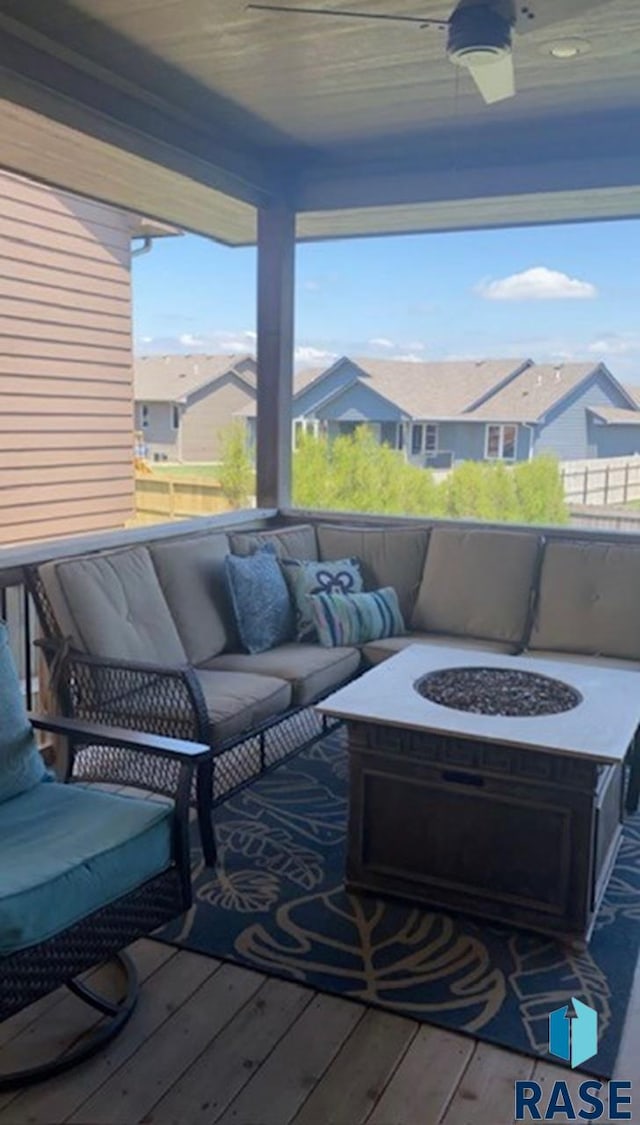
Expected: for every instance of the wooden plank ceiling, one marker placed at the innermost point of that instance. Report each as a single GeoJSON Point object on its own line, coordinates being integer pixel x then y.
{"type": "Point", "coordinates": [196, 112]}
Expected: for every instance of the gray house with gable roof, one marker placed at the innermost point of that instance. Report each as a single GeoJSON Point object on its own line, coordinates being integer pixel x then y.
{"type": "Point", "coordinates": [183, 402]}
{"type": "Point", "coordinates": [496, 409]}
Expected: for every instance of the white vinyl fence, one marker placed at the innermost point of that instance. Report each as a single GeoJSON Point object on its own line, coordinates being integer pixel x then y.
{"type": "Point", "coordinates": [602, 482]}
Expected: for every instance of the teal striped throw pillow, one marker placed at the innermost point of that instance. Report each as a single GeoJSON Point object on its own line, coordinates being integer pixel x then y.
{"type": "Point", "coordinates": [355, 619]}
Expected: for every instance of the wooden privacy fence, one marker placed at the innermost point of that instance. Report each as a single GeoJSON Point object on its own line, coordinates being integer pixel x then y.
{"type": "Point", "coordinates": [614, 480]}
{"type": "Point", "coordinates": [176, 499]}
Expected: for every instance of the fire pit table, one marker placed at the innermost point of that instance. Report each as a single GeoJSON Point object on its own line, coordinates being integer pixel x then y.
{"type": "Point", "coordinates": [492, 785]}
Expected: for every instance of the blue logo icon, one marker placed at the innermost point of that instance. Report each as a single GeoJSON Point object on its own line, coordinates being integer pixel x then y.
{"type": "Point", "coordinates": [573, 1032]}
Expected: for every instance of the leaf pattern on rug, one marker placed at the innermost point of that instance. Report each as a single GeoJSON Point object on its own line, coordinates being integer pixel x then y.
{"type": "Point", "coordinates": [299, 802]}
{"type": "Point", "coordinates": [546, 974]}
{"type": "Point", "coordinates": [273, 849]}
{"type": "Point", "coordinates": [422, 965]}
{"type": "Point", "coordinates": [623, 889]}
{"type": "Point", "coordinates": [249, 892]}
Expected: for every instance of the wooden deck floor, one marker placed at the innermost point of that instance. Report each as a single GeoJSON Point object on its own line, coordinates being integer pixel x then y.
{"type": "Point", "coordinates": [213, 1043]}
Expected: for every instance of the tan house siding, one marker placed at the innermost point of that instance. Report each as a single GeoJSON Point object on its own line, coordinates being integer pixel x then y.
{"type": "Point", "coordinates": [66, 400]}
{"type": "Point", "coordinates": [208, 412]}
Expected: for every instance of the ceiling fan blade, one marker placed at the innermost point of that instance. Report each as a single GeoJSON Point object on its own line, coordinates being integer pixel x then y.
{"type": "Point", "coordinates": [535, 15]}
{"type": "Point", "coordinates": [495, 80]}
{"type": "Point", "coordinates": [348, 15]}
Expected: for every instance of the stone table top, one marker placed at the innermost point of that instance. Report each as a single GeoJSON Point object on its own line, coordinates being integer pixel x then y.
{"type": "Point", "coordinates": [601, 727]}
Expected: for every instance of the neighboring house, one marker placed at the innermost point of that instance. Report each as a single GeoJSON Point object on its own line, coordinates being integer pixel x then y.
{"type": "Point", "coordinates": [66, 396]}
{"type": "Point", "coordinates": [439, 413]}
{"type": "Point", "coordinates": [183, 402]}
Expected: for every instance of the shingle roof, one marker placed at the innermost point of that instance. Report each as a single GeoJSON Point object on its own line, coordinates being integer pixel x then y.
{"type": "Point", "coordinates": [170, 378]}
{"type": "Point", "coordinates": [533, 393]}
{"type": "Point", "coordinates": [436, 390]}
{"type": "Point", "coordinates": [633, 391]}
{"type": "Point", "coordinates": [615, 416]}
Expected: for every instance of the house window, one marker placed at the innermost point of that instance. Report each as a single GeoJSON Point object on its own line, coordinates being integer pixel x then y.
{"type": "Point", "coordinates": [145, 415]}
{"type": "Point", "coordinates": [431, 438]}
{"type": "Point", "coordinates": [424, 438]}
{"type": "Point", "coordinates": [500, 443]}
{"type": "Point", "coordinates": [175, 417]}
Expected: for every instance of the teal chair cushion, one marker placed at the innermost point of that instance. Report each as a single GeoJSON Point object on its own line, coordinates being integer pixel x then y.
{"type": "Point", "coordinates": [67, 850]}
{"type": "Point", "coordinates": [21, 765]}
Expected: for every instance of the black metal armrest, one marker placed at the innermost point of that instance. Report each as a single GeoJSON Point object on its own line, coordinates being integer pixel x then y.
{"type": "Point", "coordinates": [80, 731]}
{"type": "Point", "coordinates": [162, 699]}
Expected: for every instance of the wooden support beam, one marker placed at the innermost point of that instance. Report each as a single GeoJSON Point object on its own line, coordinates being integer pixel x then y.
{"type": "Point", "coordinates": [276, 267]}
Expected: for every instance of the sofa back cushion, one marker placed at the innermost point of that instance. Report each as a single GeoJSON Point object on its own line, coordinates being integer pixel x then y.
{"type": "Point", "coordinates": [111, 604]}
{"type": "Point", "coordinates": [192, 577]}
{"type": "Point", "coordinates": [478, 584]}
{"type": "Point", "coordinates": [296, 542]}
{"type": "Point", "coordinates": [389, 556]}
{"type": "Point", "coordinates": [589, 600]}
{"type": "Point", "coordinates": [21, 766]}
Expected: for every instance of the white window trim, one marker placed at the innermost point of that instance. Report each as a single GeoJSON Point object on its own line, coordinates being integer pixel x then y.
{"type": "Point", "coordinates": [309, 426]}
{"type": "Point", "coordinates": [175, 413]}
{"type": "Point", "coordinates": [501, 427]}
{"type": "Point", "coordinates": [424, 426]}
{"type": "Point", "coordinates": [144, 415]}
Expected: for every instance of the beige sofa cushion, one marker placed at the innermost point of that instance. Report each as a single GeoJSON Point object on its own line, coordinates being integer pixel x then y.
{"type": "Point", "coordinates": [589, 600]}
{"type": "Point", "coordinates": [310, 669]}
{"type": "Point", "coordinates": [296, 542]}
{"type": "Point", "coordinates": [585, 661]}
{"type": "Point", "coordinates": [478, 584]}
{"type": "Point", "coordinates": [235, 701]}
{"type": "Point", "coordinates": [112, 605]}
{"type": "Point", "coordinates": [388, 556]}
{"type": "Point", "coordinates": [192, 577]}
{"type": "Point", "coordinates": [377, 651]}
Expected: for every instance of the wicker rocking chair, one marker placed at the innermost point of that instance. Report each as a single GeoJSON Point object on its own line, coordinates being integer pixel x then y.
{"type": "Point", "coordinates": [84, 872]}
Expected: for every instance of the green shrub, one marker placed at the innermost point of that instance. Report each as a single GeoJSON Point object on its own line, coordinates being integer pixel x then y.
{"type": "Point", "coordinates": [355, 473]}
{"type": "Point", "coordinates": [236, 474]}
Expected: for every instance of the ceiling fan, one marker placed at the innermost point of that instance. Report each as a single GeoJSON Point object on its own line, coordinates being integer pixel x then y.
{"type": "Point", "coordinates": [479, 33]}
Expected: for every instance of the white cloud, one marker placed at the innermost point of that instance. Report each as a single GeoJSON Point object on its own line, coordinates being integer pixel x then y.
{"type": "Point", "coordinates": [624, 344]}
{"type": "Point", "coordinates": [188, 340]}
{"type": "Point", "coordinates": [381, 342]}
{"type": "Point", "coordinates": [409, 357]}
{"type": "Point", "coordinates": [305, 353]}
{"type": "Point", "coordinates": [537, 284]}
{"type": "Point", "coordinates": [311, 285]}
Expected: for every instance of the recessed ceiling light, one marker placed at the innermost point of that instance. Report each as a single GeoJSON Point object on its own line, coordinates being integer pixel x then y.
{"type": "Point", "coordinates": [568, 48]}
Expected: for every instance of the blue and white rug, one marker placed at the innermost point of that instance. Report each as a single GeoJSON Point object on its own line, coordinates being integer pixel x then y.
{"type": "Point", "coordinates": [277, 904]}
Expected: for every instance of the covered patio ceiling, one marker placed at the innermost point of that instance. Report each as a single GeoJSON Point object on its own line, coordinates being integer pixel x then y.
{"type": "Point", "coordinates": [197, 112]}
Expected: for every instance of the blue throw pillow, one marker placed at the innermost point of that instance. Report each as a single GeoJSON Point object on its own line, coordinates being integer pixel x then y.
{"type": "Point", "coordinates": [355, 619]}
{"type": "Point", "coordinates": [260, 599]}
{"type": "Point", "coordinates": [21, 765]}
{"type": "Point", "coordinates": [304, 578]}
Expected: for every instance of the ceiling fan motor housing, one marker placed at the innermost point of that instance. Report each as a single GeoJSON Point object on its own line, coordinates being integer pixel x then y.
{"type": "Point", "coordinates": [478, 33]}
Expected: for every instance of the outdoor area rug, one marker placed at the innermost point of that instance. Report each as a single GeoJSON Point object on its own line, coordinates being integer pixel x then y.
{"type": "Point", "coordinates": [277, 904]}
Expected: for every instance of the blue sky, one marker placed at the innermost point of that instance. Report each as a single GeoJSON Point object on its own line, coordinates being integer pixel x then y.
{"type": "Point", "coordinates": [555, 293]}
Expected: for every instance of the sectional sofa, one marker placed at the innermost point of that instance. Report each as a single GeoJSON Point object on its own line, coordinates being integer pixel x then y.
{"type": "Point", "coordinates": [144, 636]}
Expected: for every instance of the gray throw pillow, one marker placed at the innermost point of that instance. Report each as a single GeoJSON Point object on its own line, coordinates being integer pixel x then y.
{"type": "Point", "coordinates": [341, 576]}
{"type": "Point", "coordinates": [260, 600]}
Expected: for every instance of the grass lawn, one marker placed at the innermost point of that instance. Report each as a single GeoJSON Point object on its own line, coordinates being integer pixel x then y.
{"type": "Point", "coordinates": [205, 471]}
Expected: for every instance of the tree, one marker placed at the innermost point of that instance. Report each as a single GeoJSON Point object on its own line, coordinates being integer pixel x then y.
{"type": "Point", "coordinates": [236, 475]}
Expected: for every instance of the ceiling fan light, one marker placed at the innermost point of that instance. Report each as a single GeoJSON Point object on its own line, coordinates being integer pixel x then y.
{"type": "Point", "coordinates": [568, 48]}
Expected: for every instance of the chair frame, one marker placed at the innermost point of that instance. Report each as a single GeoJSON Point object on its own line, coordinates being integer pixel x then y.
{"type": "Point", "coordinates": [29, 974]}
{"type": "Point", "coordinates": [87, 686]}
